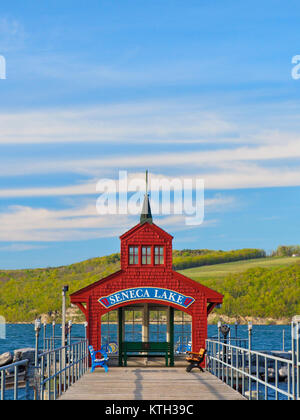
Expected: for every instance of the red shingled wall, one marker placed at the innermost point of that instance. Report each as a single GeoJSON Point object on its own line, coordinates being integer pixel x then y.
{"type": "Point", "coordinates": [155, 276]}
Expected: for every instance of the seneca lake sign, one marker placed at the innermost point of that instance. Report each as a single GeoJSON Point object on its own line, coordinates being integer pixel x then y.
{"type": "Point", "coordinates": [146, 293]}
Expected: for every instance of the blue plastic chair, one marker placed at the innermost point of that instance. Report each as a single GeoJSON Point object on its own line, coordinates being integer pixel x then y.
{"type": "Point", "coordinates": [99, 362]}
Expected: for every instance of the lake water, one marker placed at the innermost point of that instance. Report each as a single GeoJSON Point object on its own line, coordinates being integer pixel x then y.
{"type": "Point", "coordinates": [264, 337]}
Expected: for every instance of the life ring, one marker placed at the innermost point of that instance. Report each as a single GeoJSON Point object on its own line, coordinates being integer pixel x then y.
{"type": "Point", "coordinates": [112, 347]}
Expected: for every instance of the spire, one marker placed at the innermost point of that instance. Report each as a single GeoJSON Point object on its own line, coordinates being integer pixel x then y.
{"type": "Point", "coordinates": [146, 215]}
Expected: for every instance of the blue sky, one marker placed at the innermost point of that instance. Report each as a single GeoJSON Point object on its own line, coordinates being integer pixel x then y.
{"type": "Point", "coordinates": [182, 88]}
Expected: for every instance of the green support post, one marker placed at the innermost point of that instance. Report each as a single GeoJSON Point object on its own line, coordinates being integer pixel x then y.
{"type": "Point", "coordinates": [120, 334]}
{"type": "Point", "coordinates": [171, 336]}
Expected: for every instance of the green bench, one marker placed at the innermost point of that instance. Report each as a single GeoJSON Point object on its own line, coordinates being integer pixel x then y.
{"type": "Point", "coordinates": [146, 349]}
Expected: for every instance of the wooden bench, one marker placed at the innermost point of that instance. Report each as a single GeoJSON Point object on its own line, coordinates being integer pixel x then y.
{"type": "Point", "coordinates": [145, 349]}
{"type": "Point", "coordinates": [195, 359]}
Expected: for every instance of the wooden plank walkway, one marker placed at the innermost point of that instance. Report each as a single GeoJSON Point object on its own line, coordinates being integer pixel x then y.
{"type": "Point", "coordinates": [149, 383]}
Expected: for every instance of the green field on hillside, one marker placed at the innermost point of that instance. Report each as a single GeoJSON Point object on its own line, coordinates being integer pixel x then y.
{"type": "Point", "coordinates": [208, 272]}
{"type": "Point", "coordinates": [262, 288]}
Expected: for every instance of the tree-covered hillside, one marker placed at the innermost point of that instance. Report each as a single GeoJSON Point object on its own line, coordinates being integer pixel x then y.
{"type": "Point", "coordinates": [25, 294]}
{"type": "Point", "coordinates": [259, 291]}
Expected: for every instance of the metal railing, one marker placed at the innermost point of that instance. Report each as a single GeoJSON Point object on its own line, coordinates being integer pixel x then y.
{"type": "Point", "coordinates": [50, 343]}
{"type": "Point", "coordinates": [255, 374]}
{"type": "Point", "coordinates": [59, 368]}
{"type": "Point", "coordinates": [12, 379]}
{"type": "Point", "coordinates": [236, 341]}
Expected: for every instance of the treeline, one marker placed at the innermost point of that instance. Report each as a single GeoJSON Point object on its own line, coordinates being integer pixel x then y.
{"type": "Point", "coordinates": [196, 258]}
{"type": "Point", "coordinates": [287, 251]}
{"type": "Point", "coordinates": [260, 292]}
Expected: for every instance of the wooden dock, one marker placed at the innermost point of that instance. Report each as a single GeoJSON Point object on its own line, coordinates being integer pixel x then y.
{"type": "Point", "coordinates": [150, 383]}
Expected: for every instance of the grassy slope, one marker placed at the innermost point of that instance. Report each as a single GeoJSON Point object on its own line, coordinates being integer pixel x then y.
{"type": "Point", "coordinates": [219, 271]}
{"type": "Point", "coordinates": [261, 288]}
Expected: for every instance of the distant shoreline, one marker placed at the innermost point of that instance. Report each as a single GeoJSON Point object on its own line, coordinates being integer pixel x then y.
{"type": "Point", "coordinates": [213, 320]}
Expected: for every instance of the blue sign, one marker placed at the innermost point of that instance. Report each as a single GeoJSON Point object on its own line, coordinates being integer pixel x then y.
{"type": "Point", "coordinates": [144, 293]}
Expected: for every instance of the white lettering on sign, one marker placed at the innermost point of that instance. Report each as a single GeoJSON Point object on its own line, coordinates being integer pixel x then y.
{"type": "Point", "coordinates": [154, 293]}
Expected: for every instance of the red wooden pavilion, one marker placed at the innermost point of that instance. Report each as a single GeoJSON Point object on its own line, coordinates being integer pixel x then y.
{"type": "Point", "coordinates": [145, 282]}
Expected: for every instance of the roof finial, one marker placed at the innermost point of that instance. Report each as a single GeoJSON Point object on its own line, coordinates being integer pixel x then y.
{"type": "Point", "coordinates": [146, 215]}
{"type": "Point", "coordinates": [146, 181]}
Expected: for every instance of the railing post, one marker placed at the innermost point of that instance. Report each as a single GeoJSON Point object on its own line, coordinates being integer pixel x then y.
{"type": "Point", "coordinates": [49, 374]}
{"type": "Point", "coordinates": [293, 360]}
{"type": "Point", "coordinates": [63, 324]}
{"type": "Point", "coordinates": [219, 347]}
{"type": "Point", "coordinates": [276, 380]}
{"type": "Point", "coordinates": [16, 382]}
{"type": "Point", "coordinates": [266, 378]}
{"type": "Point", "coordinates": [236, 367]}
{"type": "Point", "coordinates": [27, 384]}
{"type": "Point", "coordinates": [52, 345]}
{"type": "Point", "coordinates": [250, 335]}
{"type": "Point", "coordinates": [44, 335]}
{"type": "Point", "coordinates": [37, 327]}
{"type": "Point", "coordinates": [296, 355]}
{"type": "Point", "coordinates": [2, 395]}
{"type": "Point", "coordinates": [243, 370]}
{"type": "Point", "coordinates": [249, 357]}
{"type": "Point", "coordinates": [77, 361]}
{"type": "Point", "coordinates": [60, 373]}
{"type": "Point", "coordinates": [42, 367]}
{"type": "Point", "coordinates": [69, 331]}
{"type": "Point", "coordinates": [257, 377]}
{"type": "Point", "coordinates": [214, 362]}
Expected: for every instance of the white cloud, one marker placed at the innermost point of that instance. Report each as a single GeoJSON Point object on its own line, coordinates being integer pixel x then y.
{"type": "Point", "coordinates": [90, 188]}
{"type": "Point", "coordinates": [151, 122]}
{"type": "Point", "coordinates": [219, 174]}
{"type": "Point", "coordinates": [284, 146]}
{"type": "Point", "coordinates": [28, 224]}
{"type": "Point", "coordinates": [253, 159]}
{"type": "Point", "coordinates": [163, 121]}
{"type": "Point", "coordinates": [19, 247]}
{"type": "Point", "coordinates": [87, 188]}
